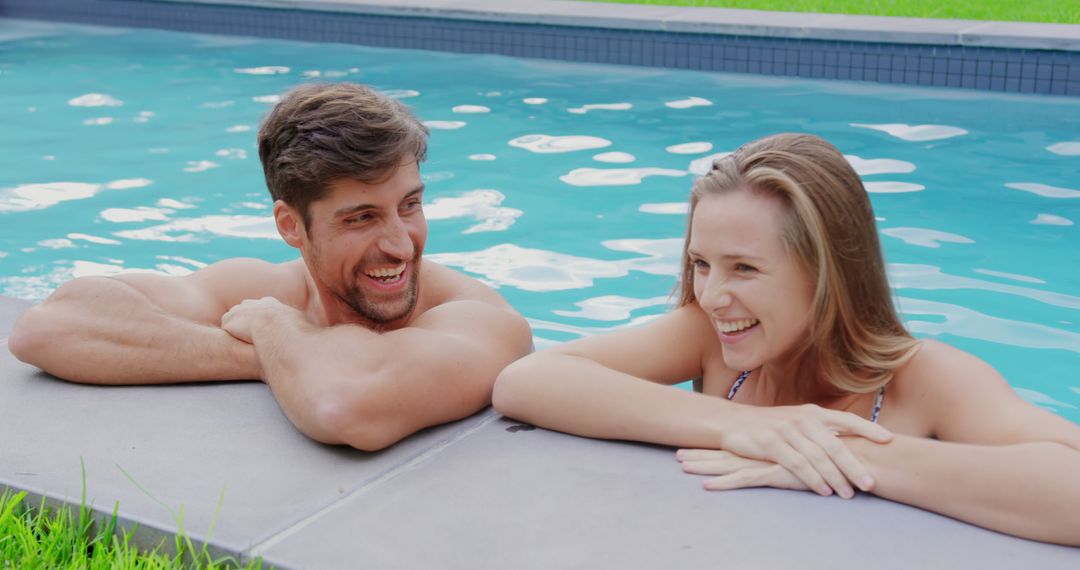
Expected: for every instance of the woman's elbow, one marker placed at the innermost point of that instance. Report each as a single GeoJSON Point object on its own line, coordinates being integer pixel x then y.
{"type": "Point", "coordinates": [510, 393]}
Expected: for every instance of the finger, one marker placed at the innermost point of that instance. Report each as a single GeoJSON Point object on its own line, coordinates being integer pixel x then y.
{"type": "Point", "coordinates": [700, 454]}
{"type": "Point", "coordinates": [853, 469]}
{"type": "Point", "coordinates": [820, 459]}
{"type": "Point", "coordinates": [722, 466]}
{"type": "Point", "coordinates": [771, 476]}
{"type": "Point", "coordinates": [798, 465]}
{"type": "Point", "coordinates": [846, 423]}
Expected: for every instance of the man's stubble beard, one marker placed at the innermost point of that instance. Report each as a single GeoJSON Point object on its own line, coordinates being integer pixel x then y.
{"type": "Point", "coordinates": [375, 312]}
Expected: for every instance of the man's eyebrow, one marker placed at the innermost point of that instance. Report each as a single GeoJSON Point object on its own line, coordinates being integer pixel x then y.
{"type": "Point", "coordinates": [347, 210]}
{"type": "Point", "coordinates": [419, 189]}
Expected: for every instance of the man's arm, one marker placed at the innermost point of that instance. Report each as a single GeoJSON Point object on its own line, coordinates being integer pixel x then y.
{"type": "Point", "coordinates": [347, 384]}
{"type": "Point", "coordinates": [143, 328]}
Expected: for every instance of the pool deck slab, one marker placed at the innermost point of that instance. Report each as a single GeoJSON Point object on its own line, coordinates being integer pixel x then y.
{"type": "Point", "coordinates": [479, 493]}
{"type": "Point", "coordinates": [843, 27]}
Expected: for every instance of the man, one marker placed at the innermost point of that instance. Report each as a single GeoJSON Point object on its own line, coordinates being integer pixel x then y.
{"type": "Point", "coordinates": [361, 341]}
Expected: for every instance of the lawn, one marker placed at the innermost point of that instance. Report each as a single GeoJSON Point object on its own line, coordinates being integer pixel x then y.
{"type": "Point", "coordinates": [35, 536]}
{"type": "Point", "coordinates": [1056, 11]}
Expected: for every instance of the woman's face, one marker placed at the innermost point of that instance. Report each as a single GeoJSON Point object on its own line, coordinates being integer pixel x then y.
{"type": "Point", "coordinates": [756, 296]}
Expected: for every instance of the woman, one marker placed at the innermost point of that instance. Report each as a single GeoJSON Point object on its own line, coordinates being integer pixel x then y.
{"type": "Point", "coordinates": [786, 321]}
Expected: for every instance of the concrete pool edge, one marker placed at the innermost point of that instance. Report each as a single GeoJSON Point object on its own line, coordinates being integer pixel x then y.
{"type": "Point", "coordinates": [478, 493]}
{"type": "Point", "coordinates": [989, 56]}
{"type": "Point", "coordinates": [723, 21]}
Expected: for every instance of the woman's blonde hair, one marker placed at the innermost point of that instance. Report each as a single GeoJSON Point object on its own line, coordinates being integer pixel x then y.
{"type": "Point", "coordinates": [855, 339]}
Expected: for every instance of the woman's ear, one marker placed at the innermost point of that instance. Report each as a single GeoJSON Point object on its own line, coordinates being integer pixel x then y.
{"type": "Point", "coordinates": [290, 224]}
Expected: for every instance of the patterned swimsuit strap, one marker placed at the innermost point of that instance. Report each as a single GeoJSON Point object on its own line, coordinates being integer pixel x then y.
{"type": "Point", "coordinates": [878, 401]}
{"type": "Point", "coordinates": [738, 382]}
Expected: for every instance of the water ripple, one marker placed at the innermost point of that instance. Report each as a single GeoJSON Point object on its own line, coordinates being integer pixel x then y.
{"type": "Point", "coordinates": [961, 321]}
{"type": "Point", "coordinates": [929, 277]}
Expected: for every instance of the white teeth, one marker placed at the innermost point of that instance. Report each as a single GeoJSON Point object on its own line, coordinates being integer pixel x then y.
{"type": "Point", "coordinates": [735, 326]}
{"type": "Point", "coordinates": [384, 273]}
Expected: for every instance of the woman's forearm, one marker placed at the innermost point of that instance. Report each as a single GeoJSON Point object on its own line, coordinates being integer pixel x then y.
{"type": "Point", "coordinates": [1031, 490]}
{"type": "Point", "coordinates": [576, 395]}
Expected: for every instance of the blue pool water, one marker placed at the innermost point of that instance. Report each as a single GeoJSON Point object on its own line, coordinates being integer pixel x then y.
{"type": "Point", "coordinates": [561, 184]}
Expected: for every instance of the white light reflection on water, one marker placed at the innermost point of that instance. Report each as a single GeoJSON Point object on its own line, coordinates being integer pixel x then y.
{"type": "Point", "coordinates": [1065, 148]}
{"type": "Point", "coordinates": [265, 70]}
{"type": "Point", "coordinates": [688, 103]}
{"type": "Point", "coordinates": [196, 229]}
{"type": "Point", "coordinates": [471, 109]}
{"type": "Point", "coordinates": [930, 277]}
{"type": "Point", "coordinates": [95, 100]}
{"type": "Point", "coordinates": [92, 239]}
{"type": "Point", "coordinates": [690, 148]}
{"type": "Point", "coordinates": [137, 214]}
{"type": "Point", "coordinates": [26, 197]}
{"type": "Point", "coordinates": [615, 176]}
{"type": "Point", "coordinates": [680, 208]}
{"type": "Point", "coordinates": [885, 187]}
{"type": "Point", "coordinates": [200, 165]}
{"type": "Point", "coordinates": [601, 107]}
{"type": "Point", "coordinates": [915, 133]}
{"type": "Point", "coordinates": [1044, 190]}
{"type": "Point", "coordinates": [1051, 220]}
{"type": "Point", "coordinates": [543, 270]}
{"type": "Point", "coordinates": [610, 307]}
{"type": "Point", "coordinates": [444, 125]}
{"type": "Point", "coordinates": [483, 205]}
{"type": "Point", "coordinates": [548, 144]}
{"type": "Point", "coordinates": [1013, 276]}
{"type": "Point", "coordinates": [923, 237]}
{"type": "Point", "coordinates": [615, 157]}
{"type": "Point", "coordinates": [868, 166]}
{"type": "Point", "coordinates": [968, 323]}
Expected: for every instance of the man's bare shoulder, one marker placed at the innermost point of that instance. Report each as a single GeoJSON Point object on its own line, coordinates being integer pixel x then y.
{"type": "Point", "coordinates": [446, 285]}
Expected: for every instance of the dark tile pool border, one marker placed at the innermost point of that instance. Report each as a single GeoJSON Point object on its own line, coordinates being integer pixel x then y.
{"type": "Point", "coordinates": [970, 55]}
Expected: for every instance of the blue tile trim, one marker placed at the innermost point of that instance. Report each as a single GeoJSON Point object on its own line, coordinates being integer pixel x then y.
{"type": "Point", "coordinates": [997, 69]}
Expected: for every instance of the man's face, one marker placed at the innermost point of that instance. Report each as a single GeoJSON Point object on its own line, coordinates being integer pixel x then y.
{"type": "Point", "coordinates": [365, 241]}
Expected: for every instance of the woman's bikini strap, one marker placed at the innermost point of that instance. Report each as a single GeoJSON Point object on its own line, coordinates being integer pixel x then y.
{"type": "Point", "coordinates": [737, 384]}
{"type": "Point", "coordinates": [878, 401]}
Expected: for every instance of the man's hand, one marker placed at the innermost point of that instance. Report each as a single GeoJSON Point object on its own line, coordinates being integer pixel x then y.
{"type": "Point", "coordinates": [242, 320]}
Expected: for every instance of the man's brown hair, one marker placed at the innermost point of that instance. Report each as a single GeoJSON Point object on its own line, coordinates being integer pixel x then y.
{"type": "Point", "coordinates": [320, 133]}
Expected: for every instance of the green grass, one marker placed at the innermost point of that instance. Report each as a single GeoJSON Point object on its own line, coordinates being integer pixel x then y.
{"type": "Point", "coordinates": [1056, 11]}
{"type": "Point", "coordinates": [42, 537]}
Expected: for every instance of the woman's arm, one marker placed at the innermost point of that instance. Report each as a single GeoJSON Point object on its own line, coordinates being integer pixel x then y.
{"type": "Point", "coordinates": [614, 386]}
{"type": "Point", "coordinates": [999, 462]}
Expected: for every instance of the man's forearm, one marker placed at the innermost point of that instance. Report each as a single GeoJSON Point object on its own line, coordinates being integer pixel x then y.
{"type": "Point", "coordinates": [104, 331]}
{"type": "Point", "coordinates": [1029, 490]}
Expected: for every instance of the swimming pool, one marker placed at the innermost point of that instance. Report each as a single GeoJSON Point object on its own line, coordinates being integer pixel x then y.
{"type": "Point", "coordinates": [562, 184]}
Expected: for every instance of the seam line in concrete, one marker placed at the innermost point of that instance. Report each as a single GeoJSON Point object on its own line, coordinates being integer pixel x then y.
{"type": "Point", "coordinates": [260, 548]}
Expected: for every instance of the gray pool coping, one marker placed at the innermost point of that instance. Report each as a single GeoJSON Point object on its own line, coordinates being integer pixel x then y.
{"type": "Point", "coordinates": [480, 493]}
{"type": "Point", "coordinates": [700, 20]}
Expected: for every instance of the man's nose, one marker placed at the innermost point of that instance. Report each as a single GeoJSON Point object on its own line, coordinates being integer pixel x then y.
{"type": "Point", "coordinates": [395, 240]}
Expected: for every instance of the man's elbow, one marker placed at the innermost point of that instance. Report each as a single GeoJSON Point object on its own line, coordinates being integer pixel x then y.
{"type": "Point", "coordinates": [352, 421]}
{"type": "Point", "coordinates": [31, 336]}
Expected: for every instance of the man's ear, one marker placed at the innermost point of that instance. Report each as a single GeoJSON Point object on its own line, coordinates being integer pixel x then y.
{"type": "Point", "coordinates": [290, 224]}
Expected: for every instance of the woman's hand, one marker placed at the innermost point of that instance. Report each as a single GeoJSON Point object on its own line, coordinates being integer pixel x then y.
{"type": "Point", "coordinates": [736, 472]}
{"type": "Point", "coordinates": [804, 441]}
